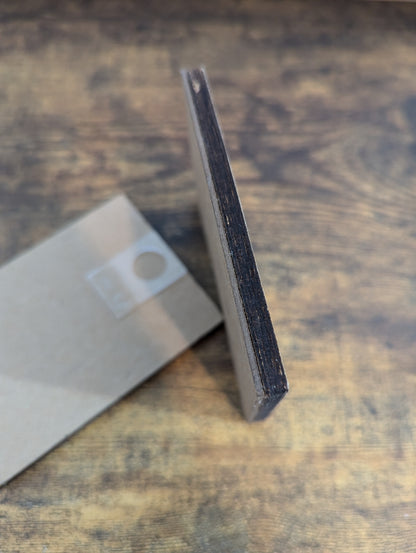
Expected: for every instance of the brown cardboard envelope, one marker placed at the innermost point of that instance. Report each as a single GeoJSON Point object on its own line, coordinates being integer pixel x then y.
{"type": "Point", "coordinates": [85, 317]}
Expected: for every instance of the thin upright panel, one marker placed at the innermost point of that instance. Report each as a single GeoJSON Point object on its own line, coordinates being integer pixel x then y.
{"type": "Point", "coordinates": [256, 356]}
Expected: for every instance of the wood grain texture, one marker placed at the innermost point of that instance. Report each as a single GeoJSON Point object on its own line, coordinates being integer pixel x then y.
{"type": "Point", "coordinates": [318, 107]}
{"type": "Point", "coordinates": [256, 357]}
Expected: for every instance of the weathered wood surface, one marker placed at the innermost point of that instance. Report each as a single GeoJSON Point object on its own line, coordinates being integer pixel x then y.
{"type": "Point", "coordinates": [318, 106]}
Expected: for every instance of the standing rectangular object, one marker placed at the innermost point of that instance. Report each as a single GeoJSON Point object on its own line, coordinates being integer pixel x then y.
{"type": "Point", "coordinates": [252, 340]}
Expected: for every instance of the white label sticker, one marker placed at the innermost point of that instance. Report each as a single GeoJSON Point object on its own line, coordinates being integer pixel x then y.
{"type": "Point", "coordinates": [136, 274]}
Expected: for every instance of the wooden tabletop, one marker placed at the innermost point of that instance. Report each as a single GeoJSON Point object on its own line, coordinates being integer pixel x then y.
{"type": "Point", "coordinates": [318, 106]}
